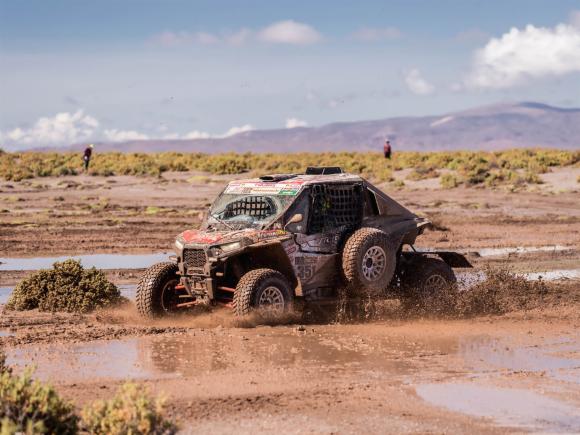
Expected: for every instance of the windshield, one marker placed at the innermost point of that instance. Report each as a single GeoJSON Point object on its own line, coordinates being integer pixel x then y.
{"type": "Point", "coordinates": [237, 211]}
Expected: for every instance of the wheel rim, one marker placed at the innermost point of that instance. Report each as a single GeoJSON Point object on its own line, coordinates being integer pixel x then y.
{"type": "Point", "coordinates": [169, 296]}
{"type": "Point", "coordinates": [272, 298]}
{"type": "Point", "coordinates": [374, 263]}
{"type": "Point", "coordinates": [436, 282]}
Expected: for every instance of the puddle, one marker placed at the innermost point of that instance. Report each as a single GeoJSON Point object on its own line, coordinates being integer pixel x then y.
{"type": "Point", "coordinates": [208, 353]}
{"type": "Point", "coordinates": [490, 354]}
{"type": "Point", "coordinates": [4, 294]}
{"type": "Point", "coordinates": [5, 333]}
{"type": "Point", "coordinates": [554, 275]}
{"type": "Point", "coordinates": [100, 261]}
{"type": "Point", "coordinates": [127, 290]}
{"type": "Point", "coordinates": [507, 407]}
{"type": "Point", "coordinates": [493, 252]}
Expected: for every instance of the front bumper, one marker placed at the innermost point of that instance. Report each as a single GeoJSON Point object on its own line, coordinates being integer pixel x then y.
{"type": "Point", "coordinates": [199, 286]}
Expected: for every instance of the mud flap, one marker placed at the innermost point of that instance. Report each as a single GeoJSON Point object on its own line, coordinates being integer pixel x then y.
{"type": "Point", "coordinates": [453, 259]}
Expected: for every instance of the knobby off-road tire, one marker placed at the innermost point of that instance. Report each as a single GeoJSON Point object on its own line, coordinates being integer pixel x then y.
{"type": "Point", "coordinates": [262, 288]}
{"type": "Point", "coordinates": [429, 284]}
{"type": "Point", "coordinates": [149, 297]}
{"type": "Point", "coordinates": [368, 260]}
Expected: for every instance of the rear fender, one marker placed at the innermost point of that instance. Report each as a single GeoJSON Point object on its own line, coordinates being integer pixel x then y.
{"type": "Point", "coordinates": [453, 259]}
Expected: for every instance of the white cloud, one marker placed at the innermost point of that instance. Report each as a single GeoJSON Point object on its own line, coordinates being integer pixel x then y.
{"type": "Point", "coordinates": [240, 37]}
{"type": "Point", "coordinates": [290, 32]}
{"type": "Point", "coordinates": [295, 122]}
{"type": "Point", "coordinates": [115, 135]}
{"type": "Point", "coordinates": [235, 130]}
{"type": "Point", "coordinates": [281, 32]}
{"type": "Point", "coordinates": [417, 84]}
{"type": "Point", "coordinates": [370, 34]}
{"type": "Point", "coordinates": [173, 39]}
{"type": "Point", "coordinates": [195, 134]}
{"type": "Point", "coordinates": [520, 55]}
{"type": "Point", "coordinates": [62, 129]}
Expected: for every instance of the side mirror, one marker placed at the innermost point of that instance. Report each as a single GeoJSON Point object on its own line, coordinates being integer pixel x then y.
{"type": "Point", "coordinates": [294, 219]}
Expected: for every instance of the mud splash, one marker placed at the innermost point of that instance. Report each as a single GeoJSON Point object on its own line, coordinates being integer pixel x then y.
{"type": "Point", "coordinates": [519, 408]}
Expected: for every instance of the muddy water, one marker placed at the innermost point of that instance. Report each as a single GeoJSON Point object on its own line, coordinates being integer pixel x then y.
{"type": "Point", "coordinates": [154, 357]}
{"type": "Point", "coordinates": [523, 409]}
{"type": "Point", "coordinates": [464, 373]}
{"type": "Point", "coordinates": [100, 261]}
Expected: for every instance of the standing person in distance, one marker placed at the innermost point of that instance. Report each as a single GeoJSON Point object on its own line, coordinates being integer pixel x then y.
{"type": "Point", "coordinates": [87, 156]}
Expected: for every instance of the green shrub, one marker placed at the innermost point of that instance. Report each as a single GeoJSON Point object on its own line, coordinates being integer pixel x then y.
{"type": "Point", "coordinates": [66, 287]}
{"type": "Point", "coordinates": [130, 411]}
{"type": "Point", "coordinates": [474, 167]}
{"type": "Point", "coordinates": [449, 181]}
{"type": "Point", "coordinates": [3, 366]}
{"type": "Point", "coordinates": [29, 407]}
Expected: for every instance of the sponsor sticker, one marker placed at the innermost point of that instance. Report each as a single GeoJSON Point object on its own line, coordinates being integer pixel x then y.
{"type": "Point", "coordinates": [287, 189]}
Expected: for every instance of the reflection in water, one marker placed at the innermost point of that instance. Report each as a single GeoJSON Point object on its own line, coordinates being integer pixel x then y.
{"type": "Point", "coordinates": [155, 356]}
{"type": "Point", "coordinates": [550, 358]}
{"type": "Point", "coordinates": [512, 407]}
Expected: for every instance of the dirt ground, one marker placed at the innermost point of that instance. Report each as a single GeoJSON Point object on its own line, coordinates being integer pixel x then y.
{"type": "Point", "coordinates": [517, 372]}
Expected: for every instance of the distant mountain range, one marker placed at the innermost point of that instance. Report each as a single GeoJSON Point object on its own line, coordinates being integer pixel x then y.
{"type": "Point", "coordinates": [494, 127]}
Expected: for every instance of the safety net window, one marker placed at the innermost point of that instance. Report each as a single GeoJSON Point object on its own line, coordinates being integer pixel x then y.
{"type": "Point", "coordinates": [259, 207]}
{"type": "Point", "coordinates": [334, 206]}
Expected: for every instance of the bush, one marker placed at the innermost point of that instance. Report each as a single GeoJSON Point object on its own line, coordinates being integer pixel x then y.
{"type": "Point", "coordinates": [66, 287]}
{"type": "Point", "coordinates": [3, 366]}
{"type": "Point", "coordinates": [29, 407]}
{"type": "Point", "coordinates": [130, 411]}
{"type": "Point", "coordinates": [449, 181]}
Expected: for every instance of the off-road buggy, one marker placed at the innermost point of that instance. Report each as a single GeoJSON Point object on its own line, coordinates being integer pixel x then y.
{"type": "Point", "coordinates": [269, 241]}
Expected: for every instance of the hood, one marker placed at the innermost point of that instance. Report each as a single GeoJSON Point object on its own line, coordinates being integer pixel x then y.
{"type": "Point", "coordinates": [201, 237]}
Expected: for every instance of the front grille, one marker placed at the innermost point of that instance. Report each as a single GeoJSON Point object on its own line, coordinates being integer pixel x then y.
{"type": "Point", "coordinates": [194, 258]}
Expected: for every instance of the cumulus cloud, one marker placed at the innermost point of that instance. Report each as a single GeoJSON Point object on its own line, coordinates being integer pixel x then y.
{"type": "Point", "coordinates": [236, 130]}
{"type": "Point", "coordinates": [281, 32]}
{"type": "Point", "coordinates": [195, 134]}
{"type": "Point", "coordinates": [240, 37]}
{"type": "Point", "coordinates": [69, 128]}
{"type": "Point", "coordinates": [417, 84]}
{"type": "Point", "coordinates": [372, 34]}
{"type": "Point", "coordinates": [290, 32]}
{"type": "Point", "coordinates": [295, 122]}
{"type": "Point", "coordinates": [115, 135]}
{"type": "Point", "coordinates": [521, 55]}
{"type": "Point", "coordinates": [63, 128]}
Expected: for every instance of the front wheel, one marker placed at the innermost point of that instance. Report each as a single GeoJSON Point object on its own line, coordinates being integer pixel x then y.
{"type": "Point", "coordinates": [262, 289]}
{"type": "Point", "coordinates": [157, 294]}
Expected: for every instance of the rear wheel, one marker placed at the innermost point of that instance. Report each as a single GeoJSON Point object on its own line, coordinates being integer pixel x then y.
{"type": "Point", "coordinates": [428, 283]}
{"type": "Point", "coordinates": [368, 260]}
{"type": "Point", "coordinates": [262, 289]}
{"type": "Point", "coordinates": [157, 294]}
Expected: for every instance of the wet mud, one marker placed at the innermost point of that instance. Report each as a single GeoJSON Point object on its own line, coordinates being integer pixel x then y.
{"type": "Point", "coordinates": [505, 360]}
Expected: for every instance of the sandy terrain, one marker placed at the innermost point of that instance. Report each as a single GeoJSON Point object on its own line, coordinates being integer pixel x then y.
{"type": "Point", "coordinates": [517, 372]}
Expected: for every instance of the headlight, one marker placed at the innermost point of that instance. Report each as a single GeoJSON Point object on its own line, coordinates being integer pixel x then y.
{"type": "Point", "coordinates": [230, 246]}
{"type": "Point", "coordinates": [179, 245]}
{"type": "Point", "coordinates": [216, 251]}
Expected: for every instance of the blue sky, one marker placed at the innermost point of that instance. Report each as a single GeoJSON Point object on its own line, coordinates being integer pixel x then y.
{"type": "Point", "coordinates": [74, 70]}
